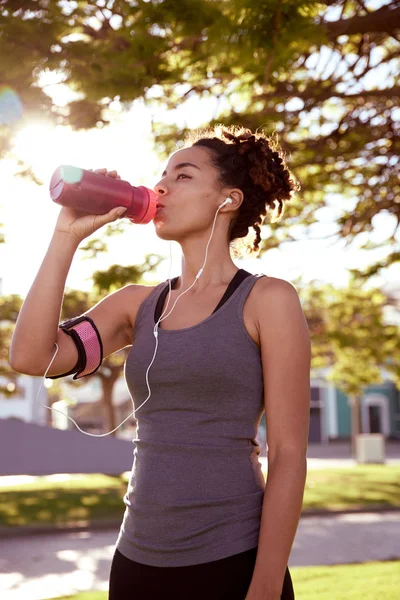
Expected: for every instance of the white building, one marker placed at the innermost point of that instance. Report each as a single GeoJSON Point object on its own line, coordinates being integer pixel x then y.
{"type": "Point", "coordinates": [26, 404]}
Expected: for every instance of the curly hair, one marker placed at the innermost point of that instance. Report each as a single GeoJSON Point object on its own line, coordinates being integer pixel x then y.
{"type": "Point", "coordinates": [253, 163]}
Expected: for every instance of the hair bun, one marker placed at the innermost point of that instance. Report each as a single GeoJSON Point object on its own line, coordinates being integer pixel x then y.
{"type": "Point", "coordinates": [246, 143]}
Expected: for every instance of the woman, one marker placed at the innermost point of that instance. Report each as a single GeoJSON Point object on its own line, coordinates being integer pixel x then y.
{"type": "Point", "coordinates": [200, 521]}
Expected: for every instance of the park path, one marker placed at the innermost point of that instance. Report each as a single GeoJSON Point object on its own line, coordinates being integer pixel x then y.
{"type": "Point", "coordinates": [49, 565]}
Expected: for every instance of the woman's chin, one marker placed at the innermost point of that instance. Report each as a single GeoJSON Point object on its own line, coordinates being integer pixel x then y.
{"type": "Point", "coordinates": [161, 231]}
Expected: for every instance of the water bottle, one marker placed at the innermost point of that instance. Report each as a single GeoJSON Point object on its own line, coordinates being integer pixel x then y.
{"type": "Point", "coordinates": [97, 194]}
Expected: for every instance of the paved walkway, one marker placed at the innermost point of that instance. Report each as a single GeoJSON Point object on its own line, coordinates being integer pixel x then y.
{"type": "Point", "coordinates": [47, 566]}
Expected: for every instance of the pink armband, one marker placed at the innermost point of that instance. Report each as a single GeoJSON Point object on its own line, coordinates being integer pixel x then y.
{"type": "Point", "coordinates": [88, 342]}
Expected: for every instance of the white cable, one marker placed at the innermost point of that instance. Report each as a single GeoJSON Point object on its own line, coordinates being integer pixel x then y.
{"type": "Point", "coordinates": [155, 333]}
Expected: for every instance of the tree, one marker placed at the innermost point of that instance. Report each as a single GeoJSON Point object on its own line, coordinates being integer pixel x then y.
{"type": "Point", "coordinates": [9, 309]}
{"type": "Point", "coordinates": [324, 75]}
{"type": "Point", "coordinates": [352, 337]}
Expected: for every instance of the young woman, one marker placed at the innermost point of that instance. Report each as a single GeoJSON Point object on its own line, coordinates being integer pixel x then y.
{"type": "Point", "coordinates": [200, 521]}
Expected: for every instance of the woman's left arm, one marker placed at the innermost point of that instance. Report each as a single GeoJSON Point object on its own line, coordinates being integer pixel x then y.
{"type": "Point", "coordinates": [286, 363]}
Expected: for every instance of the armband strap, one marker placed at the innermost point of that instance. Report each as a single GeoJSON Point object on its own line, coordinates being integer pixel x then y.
{"type": "Point", "coordinates": [88, 343]}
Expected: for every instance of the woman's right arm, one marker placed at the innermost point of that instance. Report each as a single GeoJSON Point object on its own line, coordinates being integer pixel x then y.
{"type": "Point", "coordinates": [37, 327]}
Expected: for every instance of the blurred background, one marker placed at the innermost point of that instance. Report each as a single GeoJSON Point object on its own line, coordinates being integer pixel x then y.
{"type": "Point", "coordinates": [117, 84]}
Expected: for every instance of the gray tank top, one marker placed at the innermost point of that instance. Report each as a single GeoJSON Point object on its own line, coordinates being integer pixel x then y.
{"type": "Point", "coordinates": [196, 489]}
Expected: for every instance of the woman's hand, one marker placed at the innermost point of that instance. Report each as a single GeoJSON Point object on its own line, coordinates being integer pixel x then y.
{"type": "Point", "coordinates": [80, 225]}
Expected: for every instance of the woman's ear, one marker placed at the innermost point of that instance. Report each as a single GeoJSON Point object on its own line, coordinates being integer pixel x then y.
{"type": "Point", "coordinates": [237, 197]}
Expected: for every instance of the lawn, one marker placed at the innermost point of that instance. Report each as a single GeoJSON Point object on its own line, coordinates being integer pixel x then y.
{"type": "Point", "coordinates": [361, 486]}
{"type": "Point", "coordinates": [365, 581]}
{"type": "Point", "coordinates": [78, 499]}
{"type": "Point", "coordinates": [100, 497]}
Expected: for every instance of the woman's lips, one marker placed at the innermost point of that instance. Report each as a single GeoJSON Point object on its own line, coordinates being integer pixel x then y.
{"type": "Point", "coordinates": [159, 209]}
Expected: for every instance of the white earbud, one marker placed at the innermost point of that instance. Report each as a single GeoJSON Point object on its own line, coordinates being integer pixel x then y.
{"type": "Point", "coordinates": [227, 201]}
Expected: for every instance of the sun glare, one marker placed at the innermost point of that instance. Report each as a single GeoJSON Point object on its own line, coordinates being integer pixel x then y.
{"type": "Point", "coordinates": [39, 143]}
{"type": "Point", "coordinates": [33, 140]}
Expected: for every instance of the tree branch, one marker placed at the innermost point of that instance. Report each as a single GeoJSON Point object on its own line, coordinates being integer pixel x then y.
{"type": "Point", "coordinates": [385, 19]}
{"type": "Point", "coordinates": [321, 95]}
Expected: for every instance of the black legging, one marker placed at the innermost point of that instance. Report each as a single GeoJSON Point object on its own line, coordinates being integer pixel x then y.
{"type": "Point", "coordinates": [225, 579]}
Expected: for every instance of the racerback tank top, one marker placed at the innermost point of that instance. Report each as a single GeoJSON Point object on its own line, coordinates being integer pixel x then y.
{"type": "Point", "coordinates": [196, 488]}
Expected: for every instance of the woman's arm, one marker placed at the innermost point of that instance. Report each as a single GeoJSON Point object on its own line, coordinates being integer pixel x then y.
{"type": "Point", "coordinates": [37, 324]}
{"type": "Point", "coordinates": [286, 362]}
{"type": "Point", "coordinates": [36, 330]}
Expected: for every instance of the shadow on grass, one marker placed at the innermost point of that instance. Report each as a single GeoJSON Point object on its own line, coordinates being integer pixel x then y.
{"type": "Point", "coordinates": [364, 486]}
{"type": "Point", "coordinates": [60, 506]}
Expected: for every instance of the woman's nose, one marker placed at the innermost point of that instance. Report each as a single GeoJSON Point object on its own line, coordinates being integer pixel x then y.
{"type": "Point", "coordinates": [160, 189]}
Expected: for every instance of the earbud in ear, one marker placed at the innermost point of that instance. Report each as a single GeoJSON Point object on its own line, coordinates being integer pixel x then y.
{"type": "Point", "coordinates": [227, 201]}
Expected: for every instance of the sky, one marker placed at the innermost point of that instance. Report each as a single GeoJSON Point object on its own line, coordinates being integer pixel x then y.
{"type": "Point", "coordinates": [29, 215]}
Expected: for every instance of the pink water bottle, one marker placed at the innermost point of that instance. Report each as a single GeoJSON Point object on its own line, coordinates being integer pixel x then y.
{"type": "Point", "coordinates": [97, 194]}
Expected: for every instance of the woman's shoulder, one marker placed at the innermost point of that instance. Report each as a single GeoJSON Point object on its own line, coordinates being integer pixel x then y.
{"type": "Point", "coordinates": [273, 289]}
{"type": "Point", "coordinates": [275, 283]}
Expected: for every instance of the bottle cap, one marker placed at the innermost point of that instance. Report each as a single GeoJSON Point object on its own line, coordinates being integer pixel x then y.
{"type": "Point", "coordinates": [150, 205]}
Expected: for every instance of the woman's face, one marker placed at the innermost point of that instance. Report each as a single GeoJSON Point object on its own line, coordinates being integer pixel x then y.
{"type": "Point", "coordinates": [190, 191]}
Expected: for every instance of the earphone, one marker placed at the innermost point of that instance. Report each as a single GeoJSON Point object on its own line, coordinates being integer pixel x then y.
{"type": "Point", "coordinates": [155, 333]}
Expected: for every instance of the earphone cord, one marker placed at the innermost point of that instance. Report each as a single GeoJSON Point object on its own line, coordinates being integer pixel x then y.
{"type": "Point", "coordinates": [155, 333]}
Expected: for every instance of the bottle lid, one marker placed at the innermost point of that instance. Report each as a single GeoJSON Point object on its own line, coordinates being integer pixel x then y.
{"type": "Point", "coordinates": [150, 211]}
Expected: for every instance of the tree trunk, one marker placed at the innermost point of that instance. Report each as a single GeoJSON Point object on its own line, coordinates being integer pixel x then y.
{"type": "Point", "coordinates": [354, 401]}
{"type": "Point", "coordinates": [107, 384]}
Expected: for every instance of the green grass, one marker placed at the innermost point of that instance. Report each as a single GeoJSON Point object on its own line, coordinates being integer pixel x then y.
{"type": "Point", "coordinates": [100, 497]}
{"type": "Point", "coordinates": [365, 581]}
{"type": "Point", "coordinates": [361, 486]}
{"type": "Point", "coordinates": [95, 497]}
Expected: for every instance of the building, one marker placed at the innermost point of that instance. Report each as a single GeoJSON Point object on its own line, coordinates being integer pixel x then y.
{"type": "Point", "coordinates": [330, 413]}
{"type": "Point", "coordinates": [27, 403]}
